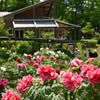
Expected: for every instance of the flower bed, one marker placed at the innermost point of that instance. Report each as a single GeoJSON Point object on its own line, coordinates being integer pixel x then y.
{"type": "Point", "coordinates": [49, 75]}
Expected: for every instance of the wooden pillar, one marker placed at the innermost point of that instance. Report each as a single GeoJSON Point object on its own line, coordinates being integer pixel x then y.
{"type": "Point", "coordinates": [55, 33]}
{"type": "Point", "coordinates": [36, 33]}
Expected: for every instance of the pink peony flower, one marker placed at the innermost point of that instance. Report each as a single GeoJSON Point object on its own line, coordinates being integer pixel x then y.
{"type": "Point", "coordinates": [25, 82]}
{"type": "Point", "coordinates": [18, 60]}
{"type": "Point", "coordinates": [21, 66]}
{"type": "Point", "coordinates": [71, 80]}
{"type": "Point", "coordinates": [43, 57]}
{"type": "Point", "coordinates": [47, 72]}
{"type": "Point", "coordinates": [40, 80]}
{"type": "Point", "coordinates": [90, 60]}
{"type": "Point", "coordinates": [76, 62]}
{"type": "Point", "coordinates": [94, 75]}
{"type": "Point", "coordinates": [9, 95]}
{"type": "Point", "coordinates": [52, 58]}
{"type": "Point", "coordinates": [86, 68]}
{"type": "Point", "coordinates": [3, 82]}
{"type": "Point", "coordinates": [36, 60]}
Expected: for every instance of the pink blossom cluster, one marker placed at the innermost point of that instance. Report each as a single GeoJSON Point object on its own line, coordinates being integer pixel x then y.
{"type": "Point", "coordinates": [47, 72]}
{"type": "Point", "coordinates": [3, 82]}
{"type": "Point", "coordinates": [9, 95]}
{"type": "Point", "coordinates": [25, 82]}
{"type": "Point", "coordinates": [21, 65]}
{"type": "Point", "coordinates": [90, 60]}
{"type": "Point", "coordinates": [70, 80]}
{"type": "Point", "coordinates": [76, 62]}
{"type": "Point", "coordinates": [52, 58]}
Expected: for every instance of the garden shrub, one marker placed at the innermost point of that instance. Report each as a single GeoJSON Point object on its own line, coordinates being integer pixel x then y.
{"type": "Point", "coordinates": [22, 47]}
{"type": "Point", "coordinates": [4, 53]}
{"type": "Point", "coordinates": [89, 43]}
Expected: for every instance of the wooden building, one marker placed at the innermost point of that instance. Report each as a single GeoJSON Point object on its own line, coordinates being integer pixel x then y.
{"type": "Point", "coordinates": [36, 18]}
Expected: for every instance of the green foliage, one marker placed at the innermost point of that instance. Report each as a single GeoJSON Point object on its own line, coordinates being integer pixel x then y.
{"type": "Point", "coordinates": [97, 36]}
{"type": "Point", "coordinates": [29, 34]}
{"type": "Point", "coordinates": [88, 30]}
{"type": "Point", "coordinates": [4, 53]}
{"type": "Point", "coordinates": [3, 31]}
{"type": "Point", "coordinates": [23, 47]}
{"type": "Point", "coordinates": [40, 92]}
{"type": "Point", "coordinates": [48, 35]}
{"type": "Point", "coordinates": [89, 43]}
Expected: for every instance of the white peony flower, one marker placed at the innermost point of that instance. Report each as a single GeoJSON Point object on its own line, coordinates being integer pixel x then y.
{"type": "Point", "coordinates": [47, 48]}
{"type": "Point", "coordinates": [37, 57]}
{"type": "Point", "coordinates": [56, 55]}
{"type": "Point", "coordinates": [41, 49]}
{"type": "Point", "coordinates": [63, 53]}
{"type": "Point", "coordinates": [58, 51]}
{"type": "Point", "coordinates": [36, 53]}
{"type": "Point", "coordinates": [3, 69]}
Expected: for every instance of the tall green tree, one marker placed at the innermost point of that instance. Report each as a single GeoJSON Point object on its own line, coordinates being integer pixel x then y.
{"type": "Point", "coordinates": [3, 31]}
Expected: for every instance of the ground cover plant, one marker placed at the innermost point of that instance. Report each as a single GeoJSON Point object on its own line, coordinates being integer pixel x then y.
{"type": "Point", "coordinates": [49, 75]}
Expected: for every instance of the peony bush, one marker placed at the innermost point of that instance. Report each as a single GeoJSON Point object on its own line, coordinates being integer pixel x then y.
{"type": "Point", "coordinates": [48, 75]}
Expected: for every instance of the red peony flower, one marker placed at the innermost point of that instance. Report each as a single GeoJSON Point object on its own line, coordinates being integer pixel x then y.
{"type": "Point", "coordinates": [36, 60]}
{"type": "Point", "coordinates": [36, 65]}
{"type": "Point", "coordinates": [3, 82]}
{"type": "Point", "coordinates": [27, 62]}
{"type": "Point", "coordinates": [18, 60]}
{"type": "Point", "coordinates": [52, 58]}
{"type": "Point", "coordinates": [58, 71]}
{"type": "Point", "coordinates": [28, 56]}
{"type": "Point", "coordinates": [47, 72]}
{"type": "Point", "coordinates": [9, 95]}
{"type": "Point", "coordinates": [21, 66]}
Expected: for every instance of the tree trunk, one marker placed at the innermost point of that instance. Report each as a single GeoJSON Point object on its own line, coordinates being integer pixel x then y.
{"type": "Point", "coordinates": [1, 5]}
{"type": "Point", "coordinates": [6, 5]}
{"type": "Point", "coordinates": [32, 1]}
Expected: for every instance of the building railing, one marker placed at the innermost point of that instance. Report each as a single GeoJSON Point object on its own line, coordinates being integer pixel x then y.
{"type": "Point", "coordinates": [41, 40]}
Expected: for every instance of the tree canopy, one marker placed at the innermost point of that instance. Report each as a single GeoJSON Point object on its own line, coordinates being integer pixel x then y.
{"type": "Point", "coordinates": [73, 11]}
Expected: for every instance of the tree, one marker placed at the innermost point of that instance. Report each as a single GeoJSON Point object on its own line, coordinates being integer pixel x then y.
{"type": "Point", "coordinates": [6, 1]}
{"type": "Point", "coordinates": [88, 31]}
{"type": "Point", "coordinates": [3, 31]}
{"type": "Point", "coordinates": [1, 5]}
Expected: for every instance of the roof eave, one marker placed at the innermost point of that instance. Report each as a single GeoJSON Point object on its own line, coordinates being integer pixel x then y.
{"type": "Point", "coordinates": [77, 26]}
{"type": "Point", "coordinates": [28, 7]}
